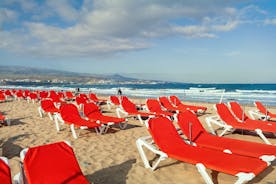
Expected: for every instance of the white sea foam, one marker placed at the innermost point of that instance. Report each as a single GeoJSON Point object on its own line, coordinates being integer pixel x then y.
{"type": "Point", "coordinates": [192, 94]}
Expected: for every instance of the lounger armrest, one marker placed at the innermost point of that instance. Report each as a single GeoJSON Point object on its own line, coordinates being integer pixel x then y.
{"type": "Point", "coordinates": [120, 110]}
{"type": "Point", "coordinates": [255, 114]}
{"type": "Point", "coordinates": [144, 141]}
{"type": "Point", "coordinates": [244, 177]}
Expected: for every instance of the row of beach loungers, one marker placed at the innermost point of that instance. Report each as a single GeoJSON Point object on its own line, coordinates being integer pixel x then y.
{"type": "Point", "coordinates": [188, 141]}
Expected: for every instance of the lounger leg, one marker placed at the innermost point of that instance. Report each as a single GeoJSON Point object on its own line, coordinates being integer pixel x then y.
{"type": "Point", "coordinates": [73, 131]}
{"type": "Point", "coordinates": [8, 121]}
{"type": "Point", "coordinates": [50, 116]}
{"type": "Point", "coordinates": [260, 133]}
{"type": "Point", "coordinates": [56, 123]}
{"type": "Point", "coordinates": [202, 171]}
{"type": "Point", "coordinates": [140, 119]}
{"type": "Point", "coordinates": [208, 122]}
{"type": "Point", "coordinates": [108, 105]}
{"type": "Point", "coordinates": [142, 142]}
{"type": "Point", "coordinates": [123, 125]}
{"type": "Point", "coordinates": [40, 111]}
{"type": "Point", "coordinates": [118, 113]}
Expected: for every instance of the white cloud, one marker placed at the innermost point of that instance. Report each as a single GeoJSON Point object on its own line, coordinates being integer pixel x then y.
{"type": "Point", "coordinates": [270, 21]}
{"type": "Point", "coordinates": [106, 26]}
{"type": "Point", "coordinates": [7, 15]}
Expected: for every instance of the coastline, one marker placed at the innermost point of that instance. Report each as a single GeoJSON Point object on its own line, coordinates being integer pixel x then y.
{"type": "Point", "coordinates": [109, 158]}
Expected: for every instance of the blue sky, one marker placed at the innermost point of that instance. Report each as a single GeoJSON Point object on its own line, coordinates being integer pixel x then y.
{"type": "Point", "coordinates": [209, 41]}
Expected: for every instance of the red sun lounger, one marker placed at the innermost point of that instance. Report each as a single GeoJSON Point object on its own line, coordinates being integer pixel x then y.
{"type": "Point", "coordinates": [52, 163]}
{"type": "Point", "coordinates": [95, 99]}
{"type": "Point", "coordinates": [69, 114]}
{"type": "Point", "coordinates": [241, 115]}
{"type": "Point", "coordinates": [171, 145]}
{"type": "Point", "coordinates": [262, 112]}
{"type": "Point", "coordinates": [92, 111]}
{"type": "Point", "coordinates": [227, 120]}
{"type": "Point", "coordinates": [196, 134]}
{"type": "Point", "coordinates": [5, 172]}
{"type": "Point", "coordinates": [129, 109]}
{"type": "Point", "coordinates": [154, 106]}
{"type": "Point", "coordinates": [164, 101]}
{"type": "Point", "coordinates": [47, 106]}
{"type": "Point", "coordinates": [196, 109]}
{"type": "Point", "coordinates": [113, 101]}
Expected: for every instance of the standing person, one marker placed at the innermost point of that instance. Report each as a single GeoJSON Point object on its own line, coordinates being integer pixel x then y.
{"type": "Point", "coordinates": [119, 92]}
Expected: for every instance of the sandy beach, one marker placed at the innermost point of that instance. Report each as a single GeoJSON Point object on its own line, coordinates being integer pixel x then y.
{"type": "Point", "coordinates": [111, 158]}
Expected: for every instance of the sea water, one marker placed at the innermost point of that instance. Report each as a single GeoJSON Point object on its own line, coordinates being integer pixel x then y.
{"type": "Point", "coordinates": [215, 93]}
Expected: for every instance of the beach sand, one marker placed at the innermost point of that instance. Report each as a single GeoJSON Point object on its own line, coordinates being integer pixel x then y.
{"type": "Point", "coordinates": [110, 158]}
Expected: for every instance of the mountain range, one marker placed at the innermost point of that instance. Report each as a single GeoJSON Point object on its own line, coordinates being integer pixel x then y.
{"type": "Point", "coordinates": [20, 72]}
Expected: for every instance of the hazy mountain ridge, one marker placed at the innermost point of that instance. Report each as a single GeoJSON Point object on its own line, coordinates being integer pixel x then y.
{"type": "Point", "coordinates": [18, 73]}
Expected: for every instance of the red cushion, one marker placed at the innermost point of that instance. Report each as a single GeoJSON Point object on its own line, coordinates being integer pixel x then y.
{"type": "Point", "coordinates": [190, 125]}
{"type": "Point", "coordinates": [115, 100]}
{"type": "Point", "coordinates": [53, 163]}
{"type": "Point", "coordinates": [92, 111]}
{"type": "Point", "coordinates": [48, 106]}
{"type": "Point", "coordinates": [238, 111]}
{"type": "Point", "coordinates": [5, 173]}
{"type": "Point", "coordinates": [70, 114]}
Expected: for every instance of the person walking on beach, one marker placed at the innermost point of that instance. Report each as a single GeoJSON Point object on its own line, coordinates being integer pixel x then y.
{"type": "Point", "coordinates": [119, 92]}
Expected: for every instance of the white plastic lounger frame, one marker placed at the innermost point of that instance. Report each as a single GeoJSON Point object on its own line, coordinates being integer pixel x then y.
{"type": "Point", "coordinates": [42, 112]}
{"type": "Point", "coordinates": [255, 114]}
{"type": "Point", "coordinates": [149, 144]}
{"type": "Point", "coordinates": [99, 130]}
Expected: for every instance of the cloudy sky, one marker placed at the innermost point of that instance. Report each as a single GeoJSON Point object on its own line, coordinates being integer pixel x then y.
{"type": "Point", "coordinates": [177, 40]}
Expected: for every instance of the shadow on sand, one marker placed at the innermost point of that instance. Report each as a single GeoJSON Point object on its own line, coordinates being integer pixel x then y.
{"type": "Point", "coordinates": [112, 175]}
{"type": "Point", "coordinates": [9, 148]}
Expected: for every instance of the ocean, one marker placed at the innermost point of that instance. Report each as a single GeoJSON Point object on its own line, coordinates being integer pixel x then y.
{"type": "Point", "coordinates": [243, 93]}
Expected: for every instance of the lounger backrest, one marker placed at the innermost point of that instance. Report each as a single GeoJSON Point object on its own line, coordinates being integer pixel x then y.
{"type": "Point", "coordinates": [166, 103]}
{"type": "Point", "coordinates": [52, 163]}
{"type": "Point", "coordinates": [93, 97]}
{"type": "Point", "coordinates": [33, 95]}
{"type": "Point", "coordinates": [175, 100]}
{"type": "Point", "coordinates": [225, 114]}
{"type": "Point", "coordinates": [190, 125]}
{"type": "Point", "coordinates": [165, 135]}
{"type": "Point", "coordinates": [238, 111]}
{"type": "Point", "coordinates": [47, 104]}
{"type": "Point", "coordinates": [115, 100]}
{"type": "Point", "coordinates": [8, 93]}
{"type": "Point", "coordinates": [91, 109]}
{"type": "Point", "coordinates": [19, 94]}
{"type": "Point", "coordinates": [69, 94]}
{"type": "Point", "coordinates": [80, 100]}
{"type": "Point", "coordinates": [127, 105]}
{"type": "Point", "coordinates": [261, 107]}
{"type": "Point", "coordinates": [84, 96]}
{"type": "Point", "coordinates": [154, 105]}
{"type": "Point", "coordinates": [43, 94]}
{"type": "Point", "coordinates": [2, 96]}
{"type": "Point", "coordinates": [69, 113]}
{"type": "Point", "coordinates": [5, 172]}
{"type": "Point", "coordinates": [61, 94]}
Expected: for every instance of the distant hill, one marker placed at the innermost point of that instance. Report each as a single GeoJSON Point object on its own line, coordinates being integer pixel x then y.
{"type": "Point", "coordinates": [20, 72]}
